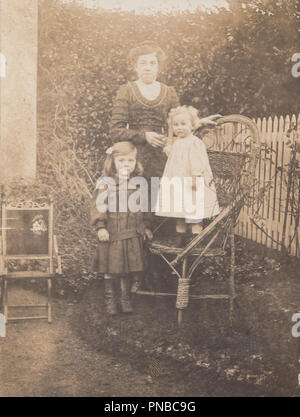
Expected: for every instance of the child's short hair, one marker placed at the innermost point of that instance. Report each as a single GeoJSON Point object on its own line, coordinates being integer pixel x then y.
{"type": "Point", "coordinates": [191, 111]}
{"type": "Point", "coordinates": [120, 148]}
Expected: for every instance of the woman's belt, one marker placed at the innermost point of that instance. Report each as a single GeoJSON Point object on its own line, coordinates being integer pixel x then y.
{"type": "Point", "coordinates": [158, 129]}
{"type": "Point", "coordinates": [124, 234]}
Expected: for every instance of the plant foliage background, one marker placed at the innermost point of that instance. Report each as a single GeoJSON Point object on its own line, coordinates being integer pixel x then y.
{"type": "Point", "coordinates": [236, 61]}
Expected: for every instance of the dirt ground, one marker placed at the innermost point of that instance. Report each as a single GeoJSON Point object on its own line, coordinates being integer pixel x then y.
{"type": "Point", "coordinates": [41, 359]}
{"type": "Point", "coordinates": [86, 353]}
{"type": "Point", "coordinates": [51, 360]}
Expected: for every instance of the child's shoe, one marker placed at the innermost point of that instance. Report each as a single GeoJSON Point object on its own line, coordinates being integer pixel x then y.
{"type": "Point", "coordinates": [110, 297]}
{"type": "Point", "coordinates": [136, 285]}
{"type": "Point", "coordinates": [126, 306]}
{"type": "Point", "coordinates": [188, 239]}
{"type": "Point", "coordinates": [176, 241]}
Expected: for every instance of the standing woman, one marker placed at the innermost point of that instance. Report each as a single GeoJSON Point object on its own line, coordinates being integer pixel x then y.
{"type": "Point", "coordinates": [141, 107]}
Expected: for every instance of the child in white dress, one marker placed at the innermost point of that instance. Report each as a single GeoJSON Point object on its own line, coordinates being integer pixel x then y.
{"type": "Point", "coordinates": [187, 168]}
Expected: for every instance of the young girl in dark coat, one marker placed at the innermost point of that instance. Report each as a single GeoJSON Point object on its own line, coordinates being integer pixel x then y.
{"type": "Point", "coordinates": [120, 229]}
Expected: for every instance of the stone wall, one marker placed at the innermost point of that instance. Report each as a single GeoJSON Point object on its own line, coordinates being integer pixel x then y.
{"type": "Point", "coordinates": [18, 89]}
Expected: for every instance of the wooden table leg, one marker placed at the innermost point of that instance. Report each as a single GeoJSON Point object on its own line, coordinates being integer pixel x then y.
{"type": "Point", "coordinates": [5, 300]}
{"type": "Point", "coordinates": [49, 301]}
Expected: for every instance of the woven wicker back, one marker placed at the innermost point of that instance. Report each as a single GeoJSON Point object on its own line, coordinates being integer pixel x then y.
{"type": "Point", "coordinates": [232, 148]}
{"type": "Point", "coordinates": [226, 164]}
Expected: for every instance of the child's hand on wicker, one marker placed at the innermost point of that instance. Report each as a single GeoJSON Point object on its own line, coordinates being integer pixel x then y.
{"type": "Point", "coordinates": [103, 235]}
{"type": "Point", "coordinates": [148, 234]}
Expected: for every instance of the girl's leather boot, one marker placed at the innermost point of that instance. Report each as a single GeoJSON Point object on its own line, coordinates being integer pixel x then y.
{"type": "Point", "coordinates": [110, 296]}
{"type": "Point", "coordinates": [126, 306]}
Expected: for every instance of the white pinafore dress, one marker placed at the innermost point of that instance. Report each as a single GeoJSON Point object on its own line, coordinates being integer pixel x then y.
{"type": "Point", "coordinates": [176, 197]}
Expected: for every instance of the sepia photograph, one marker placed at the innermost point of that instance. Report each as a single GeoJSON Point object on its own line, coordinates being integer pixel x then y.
{"type": "Point", "coordinates": [149, 201]}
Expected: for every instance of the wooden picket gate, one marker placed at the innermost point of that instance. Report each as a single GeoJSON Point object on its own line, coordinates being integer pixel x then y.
{"type": "Point", "coordinates": [273, 133]}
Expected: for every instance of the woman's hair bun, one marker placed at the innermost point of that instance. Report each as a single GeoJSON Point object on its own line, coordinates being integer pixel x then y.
{"type": "Point", "coordinates": [144, 48]}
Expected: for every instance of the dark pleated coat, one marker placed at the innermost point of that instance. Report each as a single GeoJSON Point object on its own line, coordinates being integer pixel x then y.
{"type": "Point", "coordinates": [124, 253]}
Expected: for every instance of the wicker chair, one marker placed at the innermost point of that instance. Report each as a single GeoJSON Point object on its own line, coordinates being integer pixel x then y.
{"type": "Point", "coordinates": [236, 143]}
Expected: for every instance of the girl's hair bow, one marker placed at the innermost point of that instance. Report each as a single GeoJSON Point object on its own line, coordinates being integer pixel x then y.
{"type": "Point", "coordinates": [109, 151]}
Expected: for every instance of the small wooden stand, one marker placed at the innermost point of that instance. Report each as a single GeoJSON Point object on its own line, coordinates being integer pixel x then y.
{"type": "Point", "coordinates": [27, 234]}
